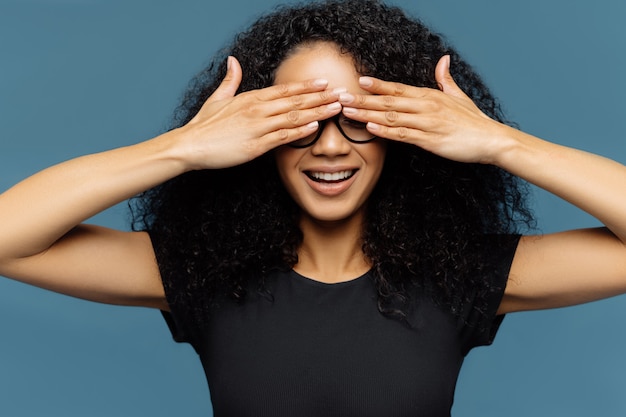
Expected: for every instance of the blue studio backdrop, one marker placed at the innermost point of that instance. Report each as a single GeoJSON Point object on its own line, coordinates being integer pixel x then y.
{"type": "Point", "coordinates": [81, 76]}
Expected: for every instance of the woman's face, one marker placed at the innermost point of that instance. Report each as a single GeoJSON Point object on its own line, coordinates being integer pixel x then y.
{"type": "Point", "coordinates": [332, 179]}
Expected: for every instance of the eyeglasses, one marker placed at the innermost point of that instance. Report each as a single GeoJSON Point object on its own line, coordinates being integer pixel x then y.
{"type": "Point", "coordinates": [354, 131]}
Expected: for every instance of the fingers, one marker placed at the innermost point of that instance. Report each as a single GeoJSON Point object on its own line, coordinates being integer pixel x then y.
{"type": "Point", "coordinates": [296, 124]}
{"type": "Point", "coordinates": [401, 133]}
{"type": "Point", "coordinates": [393, 89]}
{"type": "Point", "coordinates": [291, 111]}
{"type": "Point", "coordinates": [444, 79]}
{"type": "Point", "coordinates": [403, 112]}
{"type": "Point", "coordinates": [396, 111]}
{"type": "Point", "coordinates": [287, 90]}
{"type": "Point", "coordinates": [234, 74]}
{"type": "Point", "coordinates": [425, 102]}
{"type": "Point", "coordinates": [290, 106]}
{"type": "Point", "coordinates": [387, 95]}
{"type": "Point", "coordinates": [442, 72]}
{"type": "Point", "coordinates": [231, 81]}
{"type": "Point", "coordinates": [393, 111]}
{"type": "Point", "coordinates": [316, 100]}
{"type": "Point", "coordinates": [380, 87]}
{"type": "Point", "coordinates": [285, 135]}
{"type": "Point", "coordinates": [295, 101]}
{"type": "Point", "coordinates": [390, 124]}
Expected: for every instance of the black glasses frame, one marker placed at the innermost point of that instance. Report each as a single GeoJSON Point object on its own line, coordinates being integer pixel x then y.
{"type": "Point", "coordinates": [322, 126]}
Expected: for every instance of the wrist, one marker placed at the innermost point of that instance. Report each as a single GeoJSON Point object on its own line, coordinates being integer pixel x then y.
{"type": "Point", "coordinates": [525, 155]}
{"type": "Point", "coordinates": [508, 148]}
{"type": "Point", "coordinates": [172, 146]}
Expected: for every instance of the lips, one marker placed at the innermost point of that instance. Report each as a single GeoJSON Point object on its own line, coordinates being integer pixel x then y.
{"type": "Point", "coordinates": [330, 182]}
{"type": "Point", "coordinates": [330, 177]}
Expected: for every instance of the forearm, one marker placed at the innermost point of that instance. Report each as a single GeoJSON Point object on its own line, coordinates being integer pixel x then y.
{"type": "Point", "coordinates": [593, 183]}
{"type": "Point", "coordinates": [224, 133]}
{"type": "Point", "coordinates": [39, 210]}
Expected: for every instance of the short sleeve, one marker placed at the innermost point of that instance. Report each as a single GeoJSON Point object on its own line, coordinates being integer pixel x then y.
{"type": "Point", "coordinates": [480, 321]}
{"type": "Point", "coordinates": [179, 333]}
{"type": "Point", "coordinates": [179, 319]}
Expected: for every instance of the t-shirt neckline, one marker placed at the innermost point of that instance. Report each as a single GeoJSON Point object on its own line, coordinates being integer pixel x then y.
{"type": "Point", "coordinates": [311, 281]}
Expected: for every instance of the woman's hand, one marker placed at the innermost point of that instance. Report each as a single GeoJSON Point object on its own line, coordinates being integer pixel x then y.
{"type": "Point", "coordinates": [444, 122]}
{"type": "Point", "coordinates": [548, 271]}
{"type": "Point", "coordinates": [233, 129]}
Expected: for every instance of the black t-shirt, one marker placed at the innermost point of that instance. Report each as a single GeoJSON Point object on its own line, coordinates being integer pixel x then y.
{"type": "Point", "coordinates": [324, 350]}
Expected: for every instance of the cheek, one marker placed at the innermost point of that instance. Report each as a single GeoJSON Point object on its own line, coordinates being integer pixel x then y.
{"type": "Point", "coordinates": [286, 160]}
{"type": "Point", "coordinates": [280, 156]}
{"type": "Point", "coordinates": [375, 155]}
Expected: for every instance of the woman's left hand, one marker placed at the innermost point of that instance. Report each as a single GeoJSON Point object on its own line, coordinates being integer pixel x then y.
{"type": "Point", "coordinates": [552, 270]}
{"type": "Point", "coordinates": [446, 122]}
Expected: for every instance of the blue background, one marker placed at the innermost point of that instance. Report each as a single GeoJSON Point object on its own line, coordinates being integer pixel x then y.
{"type": "Point", "coordinates": [80, 76]}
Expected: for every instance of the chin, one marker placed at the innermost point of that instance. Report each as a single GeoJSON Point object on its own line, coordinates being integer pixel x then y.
{"type": "Point", "coordinates": [333, 216]}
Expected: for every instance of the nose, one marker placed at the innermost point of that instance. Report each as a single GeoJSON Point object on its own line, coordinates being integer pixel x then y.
{"type": "Point", "coordinates": [331, 142]}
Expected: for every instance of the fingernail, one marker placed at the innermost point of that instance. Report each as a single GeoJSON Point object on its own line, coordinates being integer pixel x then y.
{"type": "Point", "coordinates": [313, 125]}
{"type": "Point", "coordinates": [229, 64]}
{"type": "Point", "coordinates": [349, 110]}
{"type": "Point", "coordinates": [320, 82]}
{"type": "Point", "coordinates": [346, 98]}
{"type": "Point", "coordinates": [373, 126]}
{"type": "Point", "coordinates": [339, 90]}
{"type": "Point", "coordinates": [366, 82]}
{"type": "Point", "coordinates": [333, 106]}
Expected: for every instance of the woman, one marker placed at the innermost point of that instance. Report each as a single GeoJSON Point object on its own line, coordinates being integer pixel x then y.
{"type": "Point", "coordinates": [393, 191]}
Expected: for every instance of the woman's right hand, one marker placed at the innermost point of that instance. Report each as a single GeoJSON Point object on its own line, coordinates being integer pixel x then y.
{"type": "Point", "coordinates": [42, 241]}
{"type": "Point", "coordinates": [233, 129]}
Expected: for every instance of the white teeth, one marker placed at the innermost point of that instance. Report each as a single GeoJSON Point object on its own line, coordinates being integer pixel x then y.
{"type": "Point", "coordinates": [332, 176]}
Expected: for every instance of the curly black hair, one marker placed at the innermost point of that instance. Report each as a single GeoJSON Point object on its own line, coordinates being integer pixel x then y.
{"type": "Point", "coordinates": [222, 231]}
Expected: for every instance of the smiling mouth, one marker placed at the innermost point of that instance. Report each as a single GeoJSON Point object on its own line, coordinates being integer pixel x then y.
{"type": "Point", "coordinates": [330, 177]}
